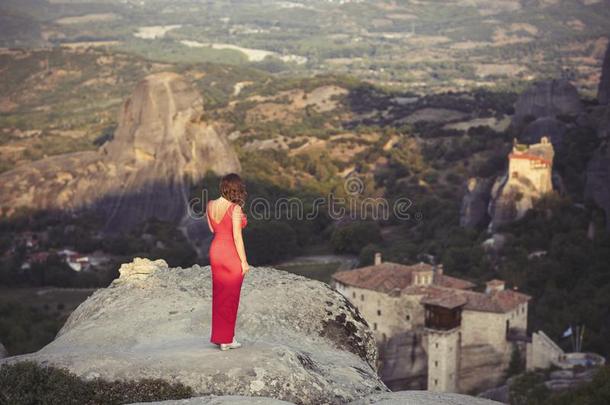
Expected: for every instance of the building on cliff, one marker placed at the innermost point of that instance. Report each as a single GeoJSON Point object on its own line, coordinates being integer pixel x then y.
{"type": "Point", "coordinates": [434, 331]}
{"type": "Point", "coordinates": [529, 177]}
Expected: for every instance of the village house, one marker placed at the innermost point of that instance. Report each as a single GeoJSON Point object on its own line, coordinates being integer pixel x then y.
{"type": "Point", "coordinates": [74, 260]}
{"type": "Point", "coordinates": [433, 330]}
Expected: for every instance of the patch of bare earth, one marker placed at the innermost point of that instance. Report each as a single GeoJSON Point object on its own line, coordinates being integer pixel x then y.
{"type": "Point", "coordinates": [286, 105]}
{"type": "Point", "coordinates": [433, 115]}
{"type": "Point", "coordinates": [496, 69]}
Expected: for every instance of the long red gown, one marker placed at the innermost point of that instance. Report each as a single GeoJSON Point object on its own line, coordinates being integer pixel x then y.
{"type": "Point", "coordinates": [227, 277]}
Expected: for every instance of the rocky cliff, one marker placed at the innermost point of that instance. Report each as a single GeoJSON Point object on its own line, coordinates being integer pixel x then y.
{"type": "Point", "coordinates": [303, 342]}
{"type": "Point", "coordinates": [160, 147]}
{"type": "Point", "coordinates": [597, 188]}
{"type": "Point", "coordinates": [473, 212]}
{"type": "Point", "coordinates": [603, 92]}
{"type": "Point", "coordinates": [545, 126]}
{"type": "Point", "coordinates": [548, 98]}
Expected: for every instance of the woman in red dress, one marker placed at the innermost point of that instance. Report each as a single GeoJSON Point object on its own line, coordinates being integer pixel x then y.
{"type": "Point", "coordinates": [227, 258]}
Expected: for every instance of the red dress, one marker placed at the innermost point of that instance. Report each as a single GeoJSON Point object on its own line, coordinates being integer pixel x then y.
{"type": "Point", "coordinates": [227, 277]}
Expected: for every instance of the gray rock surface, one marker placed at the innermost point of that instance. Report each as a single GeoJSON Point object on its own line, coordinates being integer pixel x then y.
{"type": "Point", "coordinates": [550, 127]}
{"type": "Point", "coordinates": [603, 91]}
{"type": "Point", "coordinates": [597, 187]}
{"type": "Point", "coordinates": [473, 212]}
{"type": "Point", "coordinates": [601, 118]}
{"type": "Point", "coordinates": [548, 99]}
{"type": "Point", "coordinates": [160, 147]}
{"type": "Point", "coordinates": [390, 398]}
{"type": "Point", "coordinates": [302, 341]}
{"type": "Point", "coordinates": [421, 398]}
{"type": "Point", "coordinates": [221, 400]}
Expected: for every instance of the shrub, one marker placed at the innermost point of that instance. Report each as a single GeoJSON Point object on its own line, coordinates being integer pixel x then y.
{"type": "Point", "coordinates": [353, 237]}
{"type": "Point", "coordinates": [269, 241]}
{"type": "Point", "coordinates": [27, 382]}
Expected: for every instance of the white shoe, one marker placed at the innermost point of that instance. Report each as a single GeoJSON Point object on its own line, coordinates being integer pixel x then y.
{"type": "Point", "coordinates": [233, 345]}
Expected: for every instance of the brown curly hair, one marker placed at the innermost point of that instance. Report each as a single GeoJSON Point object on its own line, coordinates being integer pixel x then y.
{"type": "Point", "coordinates": [232, 188]}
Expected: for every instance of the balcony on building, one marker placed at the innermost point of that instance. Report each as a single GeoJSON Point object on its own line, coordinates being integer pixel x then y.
{"type": "Point", "coordinates": [443, 313]}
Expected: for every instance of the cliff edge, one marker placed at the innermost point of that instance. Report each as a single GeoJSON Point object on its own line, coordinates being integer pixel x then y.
{"type": "Point", "coordinates": [303, 342]}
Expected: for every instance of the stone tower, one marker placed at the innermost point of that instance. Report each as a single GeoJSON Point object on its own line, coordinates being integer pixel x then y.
{"type": "Point", "coordinates": [443, 317]}
{"type": "Point", "coordinates": [443, 359]}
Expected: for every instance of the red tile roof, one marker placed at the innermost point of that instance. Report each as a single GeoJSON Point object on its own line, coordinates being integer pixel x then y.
{"type": "Point", "coordinates": [388, 276]}
{"type": "Point", "coordinates": [530, 157]}
{"type": "Point", "coordinates": [448, 300]}
{"type": "Point", "coordinates": [495, 301]}
{"type": "Point", "coordinates": [445, 291]}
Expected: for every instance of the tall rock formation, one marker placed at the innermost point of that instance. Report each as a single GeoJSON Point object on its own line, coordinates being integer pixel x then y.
{"type": "Point", "coordinates": [473, 212]}
{"type": "Point", "coordinates": [529, 176]}
{"type": "Point", "coordinates": [603, 91]}
{"type": "Point", "coordinates": [548, 98]}
{"type": "Point", "coordinates": [597, 187]}
{"type": "Point", "coordinates": [550, 127]}
{"type": "Point", "coordinates": [161, 146]}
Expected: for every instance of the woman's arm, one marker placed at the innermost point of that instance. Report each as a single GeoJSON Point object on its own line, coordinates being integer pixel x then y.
{"type": "Point", "coordinates": [238, 239]}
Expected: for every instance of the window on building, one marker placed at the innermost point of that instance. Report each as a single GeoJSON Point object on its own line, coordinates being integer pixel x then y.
{"type": "Point", "coordinates": [408, 317]}
{"type": "Point", "coordinates": [436, 345]}
{"type": "Point", "coordinates": [435, 363]}
{"type": "Point", "coordinates": [379, 312]}
{"type": "Point", "coordinates": [435, 381]}
{"type": "Point", "coordinates": [362, 297]}
{"type": "Point", "coordinates": [375, 325]}
{"type": "Point", "coordinates": [383, 336]}
{"type": "Point", "coordinates": [354, 294]}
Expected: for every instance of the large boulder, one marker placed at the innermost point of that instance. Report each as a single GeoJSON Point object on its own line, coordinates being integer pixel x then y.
{"type": "Point", "coordinates": [603, 92]}
{"type": "Point", "coordinates": [161, 146]}
{"type": "Point", "coordinates": [548, 98]}
{"type": "Point", "coordinates": [302, 341]}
